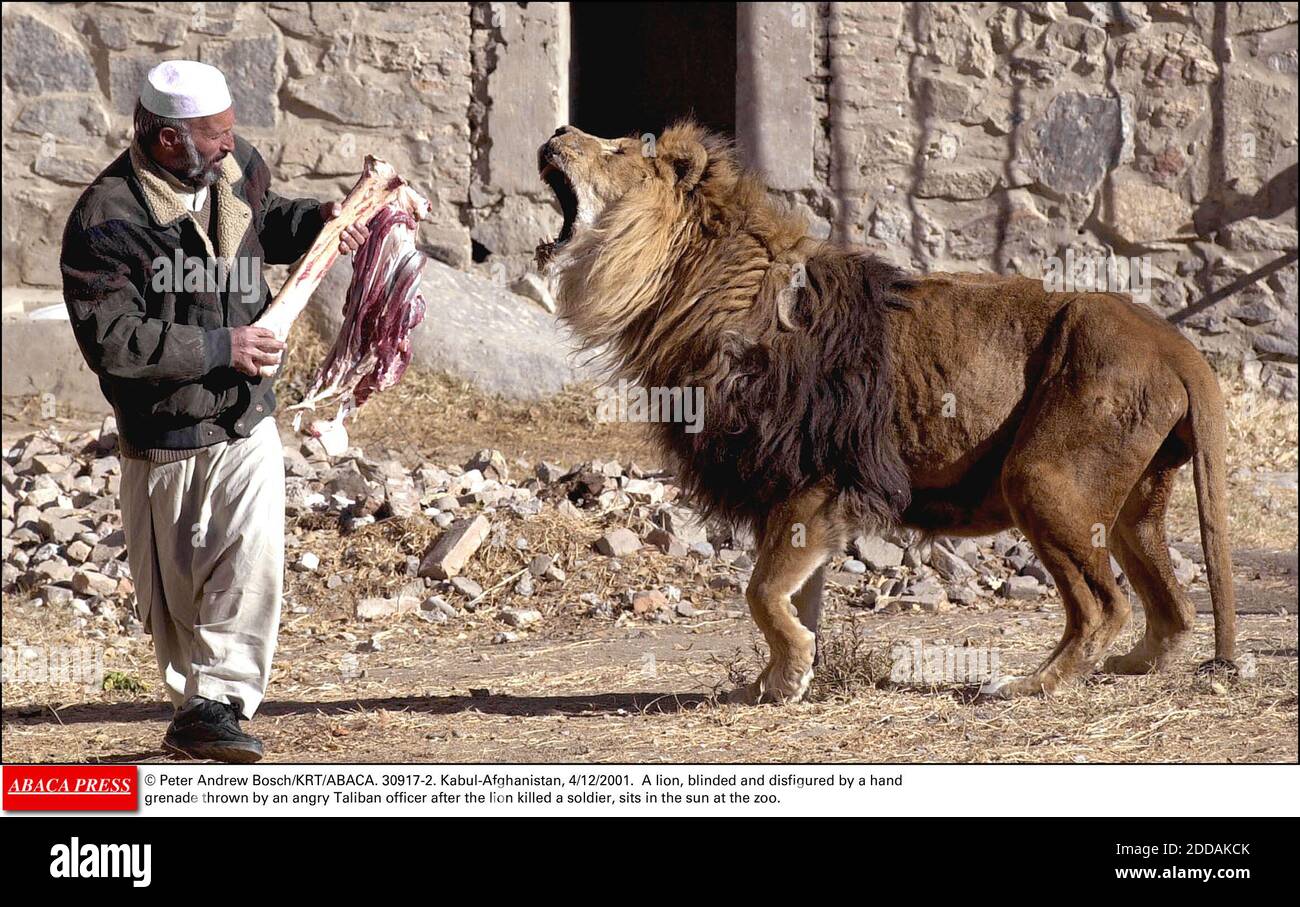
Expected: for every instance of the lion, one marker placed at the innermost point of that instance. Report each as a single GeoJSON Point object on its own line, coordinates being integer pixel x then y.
{"type": "Point", "coordinates": [844, 395]}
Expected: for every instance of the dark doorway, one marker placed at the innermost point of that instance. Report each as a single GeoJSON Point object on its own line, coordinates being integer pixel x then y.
{"type": "Point", "coordinates": [637, 67]}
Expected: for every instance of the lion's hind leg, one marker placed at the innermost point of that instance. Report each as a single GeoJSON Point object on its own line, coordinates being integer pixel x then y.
{"type": "Point", "coordinates": [794, 543]}
{"type": "Point", "coordinates": [1076, 459]}
{"type": "Point", "coordinates": [1140, 545]}
{"type": "Point", "coordinates": [1095, 608]}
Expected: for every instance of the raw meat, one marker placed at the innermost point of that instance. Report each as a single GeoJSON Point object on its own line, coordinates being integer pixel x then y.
{"type": "Point", "coordinates": [373, 348]}
{"type": "Point", "coordinates": [379, 187]}
{"type": "Point", "coordinates": [383, 304]}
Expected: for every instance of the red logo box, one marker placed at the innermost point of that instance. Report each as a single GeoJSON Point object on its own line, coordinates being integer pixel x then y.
{"type": "Point", "coordinates": [64, 787]}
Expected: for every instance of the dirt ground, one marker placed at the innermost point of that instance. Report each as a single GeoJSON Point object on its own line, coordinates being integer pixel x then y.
{"type": "Point", "coordinates": [583, 688]}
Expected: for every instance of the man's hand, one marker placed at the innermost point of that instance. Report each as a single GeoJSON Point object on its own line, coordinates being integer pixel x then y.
{"type": "Point", "coordinates": [354, 237]}
{"type": "Point", "coordinates": [252, 347]}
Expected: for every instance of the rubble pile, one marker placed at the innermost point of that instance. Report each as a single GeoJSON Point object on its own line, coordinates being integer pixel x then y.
{"type": "Point", "coordinates": [63, 545]}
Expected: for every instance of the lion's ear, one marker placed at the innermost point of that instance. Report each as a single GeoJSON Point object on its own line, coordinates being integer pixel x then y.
{"type": "Point", "coordinates": [688, 164]}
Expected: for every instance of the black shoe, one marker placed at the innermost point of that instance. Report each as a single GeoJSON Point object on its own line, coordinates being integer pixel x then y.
{"type": "Point", "coordinates": [204, 729]}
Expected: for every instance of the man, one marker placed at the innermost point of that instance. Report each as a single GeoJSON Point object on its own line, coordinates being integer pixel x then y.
{"type": "Point", "coordinates": [162, 275]}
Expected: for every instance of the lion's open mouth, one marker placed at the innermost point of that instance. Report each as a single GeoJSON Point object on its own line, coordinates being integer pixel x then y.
{"type": "Point", "coordinates": [560, 184]}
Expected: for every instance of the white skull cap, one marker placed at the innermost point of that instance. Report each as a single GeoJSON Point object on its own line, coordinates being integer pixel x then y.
{"type": "Point", "coordinates": [184, 89]}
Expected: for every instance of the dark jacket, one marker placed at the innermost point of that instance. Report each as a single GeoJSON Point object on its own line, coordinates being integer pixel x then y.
{"type": "Point", "coordinates": [162, 350]}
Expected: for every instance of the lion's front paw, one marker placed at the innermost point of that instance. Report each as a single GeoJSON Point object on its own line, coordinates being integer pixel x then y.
{"type": "Point", "coordinates": [774, 685]}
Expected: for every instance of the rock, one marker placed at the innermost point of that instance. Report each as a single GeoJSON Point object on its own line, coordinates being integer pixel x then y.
{"type": "Point", "coordinates": [56, 595]}
{"type": "Point", "coordinates": [110, 548]}
{"type": "Point", "coordinates": [1038, 572]}
{"type": "Point", "coordinates": [118, 29]}
{"type": "Point", "coordinates": [346, 479]}
{"type": "Point", "coordinates": [51, 463]}
{"type": "Point", "coordinates": [540, 565]}
{"type": "Point", "coordinates": [646, 602]}
{"type": "Point", "coordinates": [106, 437]}
{"type": "Point", "coordinates": [644, 491]}
{"type": "Point", "coordinates": [54, 570]}
{"type": "Point", "coordinates": [950, 99]}
{"type": "Point", "coordinates": [88, 582]}
{"type": "Point", "coordinates": [39, 59]}
{"type": "Point", "coordinates": [524, 587]}
{"type": "Point", "coordinates": [355, 100]}
{"type": "Point", "coordinates": [1022, 588]}
{"type": "Point", "coordinates": [466, 587]}
{"type": "Point", "coordinates": [126, 72]}
{"type": "Point", "coordinates": [513, 228]}
{"type": "Point", "coordinates": [307, 562]}
{"type": "Point", "coordinates": [448, 555]}
{"type": "Point", "coordinates": [961, 184]}
{"type": "Point", "coordinates": [468, 482]}
{"type": "Point", "coordinates": [379, 608]}
{"type": "Point", "coordinates": [549, 472]}
{"type": "Point", "coordinates": [931, 602]}
{"type": "Point", "coordinates": [948, 565]}
{"type": "Point", "coordinates": [1253, 234]}
{"type": "Point", "coordinates": [876, 553]}
{"type": "Point", "coordinates": [59, 529]}
{"type": "Point", "coordinates": [401, 497]}
{"type": "Point", "coordinates": [963, 595]}
{"type": "Point", "coordinates": [1144, 212]}
{"type": "Point", "coordinates": [683, 523]}
{"type": "Point", "coordinates": [618, 543]}
{"type": "Point", "coordinates": [966, 549]}
{"type": "Point", "coordinates": [78, 120]}
{"type": "Point", "coordinates": [702, 550]}
{"type": "Point", "coordinates": [666, 542]}
{"type": "Point", "coordinates": [106, 464]}
{"type": "Point", "coordinates": [520, 618]}
{"type": "Point", "coordinates": [435, 604]}
{"type": "Point", "coordinates": [490, 464]}
{"type": "Point", "coordinates": [253, 71]}
{"type": "Point", "coordinates": [1076, 141]}
{"type": "Point", "coordinates": [68, 167]}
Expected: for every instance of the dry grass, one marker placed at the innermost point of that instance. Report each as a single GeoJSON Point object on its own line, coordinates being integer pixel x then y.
{"type": "Point", "coordinates": [1262, 433]}
{"type": "Point", "coordinates": [580, 691]}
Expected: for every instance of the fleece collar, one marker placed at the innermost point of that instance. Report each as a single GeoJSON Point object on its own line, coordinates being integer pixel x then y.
{"type": "Point", "coordinates": [233, 213]}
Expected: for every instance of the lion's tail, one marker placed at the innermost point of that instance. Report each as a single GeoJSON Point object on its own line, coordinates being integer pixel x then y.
{"type": "Point", "coordinates": [1209, 468]}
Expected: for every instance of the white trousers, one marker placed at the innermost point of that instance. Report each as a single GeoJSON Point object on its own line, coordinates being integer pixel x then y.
{"type": "Point", "coordinates": [205, 539]}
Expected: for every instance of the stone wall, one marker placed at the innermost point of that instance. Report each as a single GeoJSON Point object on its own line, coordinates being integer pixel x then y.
{"type": "Point", "coordinates": [948, 136]}
{"type": "Point", "coordinates": [988, 136]}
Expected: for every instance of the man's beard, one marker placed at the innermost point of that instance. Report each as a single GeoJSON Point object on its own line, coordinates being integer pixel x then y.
{"type": "Point", "coordinates": [194, 170]}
